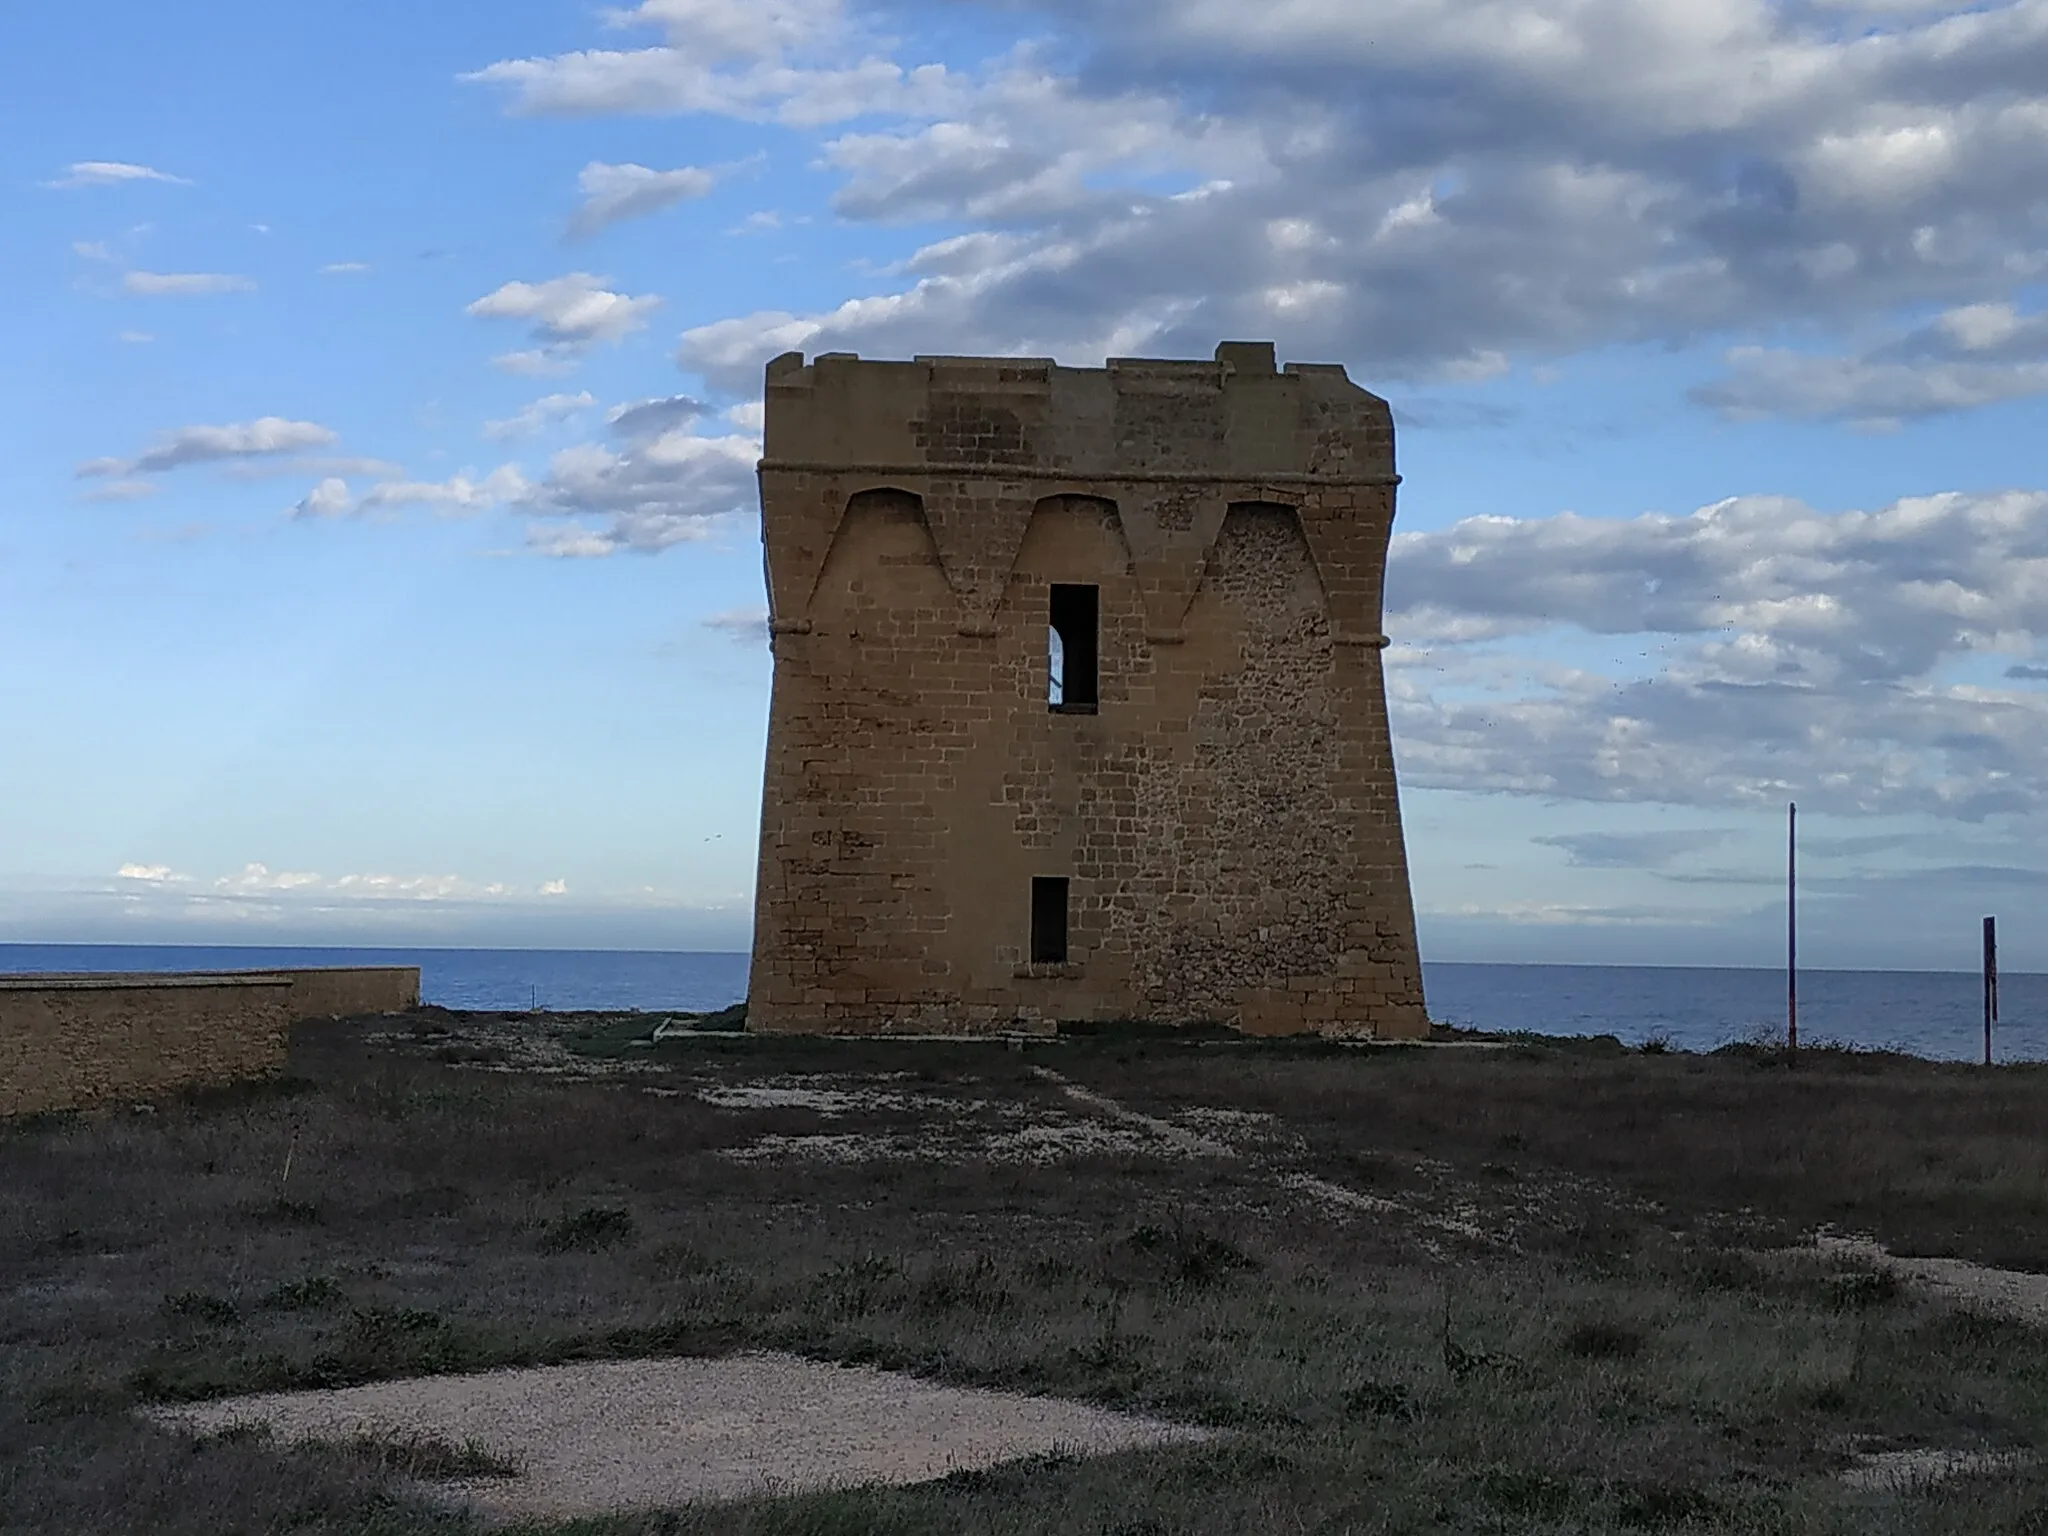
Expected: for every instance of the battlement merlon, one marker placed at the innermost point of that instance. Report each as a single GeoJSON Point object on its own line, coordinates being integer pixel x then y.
{"type": "Point", "coordinates": [1238, 418]}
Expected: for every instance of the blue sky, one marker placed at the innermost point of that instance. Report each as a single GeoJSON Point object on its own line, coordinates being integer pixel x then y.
{"type": "Point", "coordinates": [378, 554]}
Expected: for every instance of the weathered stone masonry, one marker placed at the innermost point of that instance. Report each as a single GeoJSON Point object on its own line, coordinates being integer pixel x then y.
{"type": "Point", "coordinates": [1225, 817]}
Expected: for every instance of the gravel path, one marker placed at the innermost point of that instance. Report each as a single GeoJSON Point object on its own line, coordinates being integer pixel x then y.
{"type": "Point", "coordinates": [643, 1434]}
{"type": "Point", "coordinates": [2004, 1292]}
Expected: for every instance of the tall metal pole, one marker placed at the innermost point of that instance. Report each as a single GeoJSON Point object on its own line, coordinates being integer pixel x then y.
{"type": "Point", "coordinates": [1990, 982]}
{"type": "Point", "coordinates": [1792, 929]}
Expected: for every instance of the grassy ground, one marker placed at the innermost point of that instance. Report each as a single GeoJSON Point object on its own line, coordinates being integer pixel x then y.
{"type": "Point", "coordinates": [1453, 1290]}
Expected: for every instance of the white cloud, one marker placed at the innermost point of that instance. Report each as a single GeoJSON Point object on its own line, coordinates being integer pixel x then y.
{"type": "Point", "coordinates": [205, 445]}
{"type": "Point", "coordinates": [111, 173]}
{"type": "Point", "coordinates": [135, 338]}
{"type": "Point", "coordinates": [92, 250]}
{"type": "Point", "coordinates": [555, 888]}
{"type": "Point", "coordinates": [1974, 355]}
{"type": "Point", "coordinates": [259, 880]}
{"type": "Point", "coordinates": [406, 887]}
{"type": "Point", "coordinates": [742, 624]}
{"type": "Point", "coordinates": [570, 543]}
{"type": "Point", "coordinates": [569, 315]}
{"type": "Point", "coordinates": [729, 57]}
{"type": "Point", "coordinates": [721, 31]}
{"type": "Point", "coordinates": [1461, 185]}
{"type": "Point", "coordinates": [615, 192]}
{"type": "Point", "coordinates": [456, 496]}
{"type": "Point", "coordinates": [659, 490]}
{"type": "Point", "coordinates": [344, 268]}
{"type": "Point", "coordinates": [184, 284]}
{"type": "Point", "coordinates": [1758, 650]}
{"type": "Point", "coordinates": [150, 874]}
{"type": "Point", "coordinates": [543, 412]}
{"type": "Point", "coordinates": [330, 498]}
{"type": "Point", "coordinates": [254, 879]}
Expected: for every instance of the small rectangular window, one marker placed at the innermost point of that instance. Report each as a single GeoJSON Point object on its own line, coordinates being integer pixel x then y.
{"type": "Point", "coordinates": [1071, 647]}
{"type": "Point", "coordinates": [1048, 921]}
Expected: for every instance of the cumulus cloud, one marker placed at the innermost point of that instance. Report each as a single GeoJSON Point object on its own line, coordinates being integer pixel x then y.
{"type": "Point", "coordinates": [111, 173]}
{"type": "Point", "coordinates": [206, 445]}
{"type": "Point", "coordinates": [185, 284]}
{"type": "Point", "coordinates": [1456, 186]}
{"type": "Point", "coordinates": [150, 874]}
{"type": "Point", "coordinates": [720, 31]}
{"type": "Point", "coordinates": [615, 192]}
{"type": "Point", "coordinates": [664, 488]}
{"type": "Point", "coordinates": [569, 315]}
{"type": "Point", "coordinates": [780, 59]}
{"type": "Point", "coordinates": [543, 412]}
{"type": "Point", "coordinates": [457, 496]}
{"type": "Point", "coordinates": [1972, 355]}
{"type": "Point", "coordinates": [330, 498]}
{"type": "Point", "coordinates": [1767, 651]}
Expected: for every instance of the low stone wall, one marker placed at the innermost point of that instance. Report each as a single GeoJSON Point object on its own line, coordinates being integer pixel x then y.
{"type": "Point", "coordinates": [72, 1042]}
{"type": "Point", "coordinates": [341, 992]}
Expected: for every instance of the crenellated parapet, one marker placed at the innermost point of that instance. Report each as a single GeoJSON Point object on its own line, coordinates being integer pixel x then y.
{"type": "Point", "coordinates": [982, 442]}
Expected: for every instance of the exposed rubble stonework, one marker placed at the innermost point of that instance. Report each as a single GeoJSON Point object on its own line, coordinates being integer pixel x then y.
{"type": "Point", "coordinates": [1216, 789]}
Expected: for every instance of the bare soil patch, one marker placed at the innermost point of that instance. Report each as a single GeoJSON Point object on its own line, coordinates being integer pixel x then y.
{"type": "Point", "coordinates": [608, 1436]}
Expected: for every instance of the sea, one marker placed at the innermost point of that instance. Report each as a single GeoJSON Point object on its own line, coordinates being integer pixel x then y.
{"type": "Point", "coordinates": [1936, 1014]}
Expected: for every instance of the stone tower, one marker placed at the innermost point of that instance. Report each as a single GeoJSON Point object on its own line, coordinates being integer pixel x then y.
{"type": "Point", "coordinates": [1078, 710]}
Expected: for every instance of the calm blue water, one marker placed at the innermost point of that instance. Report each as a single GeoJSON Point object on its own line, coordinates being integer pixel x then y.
{"type": "Point", "coordinates": [1930, 1013]}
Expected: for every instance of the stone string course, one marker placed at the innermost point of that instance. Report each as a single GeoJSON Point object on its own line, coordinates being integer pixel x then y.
{"type": "Point", "coordinates": [1228, 818]}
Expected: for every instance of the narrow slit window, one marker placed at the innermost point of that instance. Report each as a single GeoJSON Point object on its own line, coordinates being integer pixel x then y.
{"type": "Point", "coordinates": [1071, 648]}
{"type": "Point", "coordinates": [1049, 921]}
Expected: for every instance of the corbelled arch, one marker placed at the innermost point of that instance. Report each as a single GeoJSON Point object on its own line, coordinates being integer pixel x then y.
{"type": "Point", "coordinates": [865, 519]}
{"type": "Point", "coordinates": [1045, 509]}
{"type": "Point", "coordinates": [1276, 533]}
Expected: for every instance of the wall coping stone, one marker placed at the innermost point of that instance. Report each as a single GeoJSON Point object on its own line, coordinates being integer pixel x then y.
{"type": "Point", "coordinates": [53, 981]}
